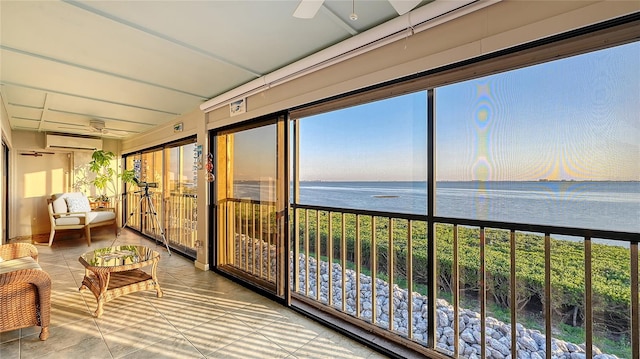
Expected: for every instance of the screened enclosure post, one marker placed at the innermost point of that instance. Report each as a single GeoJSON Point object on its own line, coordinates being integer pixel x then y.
{"type": "Point", "coordinates": [431, 227]}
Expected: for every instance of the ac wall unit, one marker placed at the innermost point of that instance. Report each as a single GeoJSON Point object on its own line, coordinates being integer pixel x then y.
{"type": "Point", "coordinates": [73, 143]}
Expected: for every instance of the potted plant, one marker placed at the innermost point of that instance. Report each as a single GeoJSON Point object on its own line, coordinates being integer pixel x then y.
{"type": "Point", "coordinates": [105, 175]}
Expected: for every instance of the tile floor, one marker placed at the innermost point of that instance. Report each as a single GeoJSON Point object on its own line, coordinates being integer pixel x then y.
{"type": "Point", "coordinates": [201, 315]}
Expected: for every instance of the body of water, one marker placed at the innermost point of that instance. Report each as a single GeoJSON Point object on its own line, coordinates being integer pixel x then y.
{"type": "Point", "coordinates": [593, 205]}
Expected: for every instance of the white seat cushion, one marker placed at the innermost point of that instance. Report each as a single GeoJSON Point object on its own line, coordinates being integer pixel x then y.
{"type": "Point", "coordinates": [70, 220]}
{"type": "Point", "coordinates": [101, 216]}
{"type": "Point", "coordinates": [17, 264]}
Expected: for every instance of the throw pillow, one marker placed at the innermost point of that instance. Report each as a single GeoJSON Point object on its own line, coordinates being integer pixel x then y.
{"type": "Point", "coordinates": [78, 204]}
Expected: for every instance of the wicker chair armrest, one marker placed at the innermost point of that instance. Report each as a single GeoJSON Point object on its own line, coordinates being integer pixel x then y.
{"type": "Point", "coordinates": [41, 280]}
{"type": "Point", "coordinates": [18, 250]}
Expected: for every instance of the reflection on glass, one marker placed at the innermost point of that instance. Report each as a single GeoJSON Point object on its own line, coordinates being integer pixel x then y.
{"type": "Point", "coordinates": [251, 186]}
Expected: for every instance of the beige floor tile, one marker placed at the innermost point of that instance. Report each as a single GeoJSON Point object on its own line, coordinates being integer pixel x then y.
{"type": "Point", "coordinates": [60, 338]}
{"type": "Point", "coordinates": [254, 346]}
{"type": "Point", "coordinates": [10, 349]}
{"type": "Point", "coordinates": [93, 348]}
{"type": "Point", "coordinates": [123, 317]}
{"type": "Point", "coordinates": [171, 348]}
{"type": "Point", "coordinates": [325, 348]}
{"type": "Point", "coordinates": [139, 336]}
{"type": "Point", "coordinates": [218, 333]}
{"type": "Point", "coordinates": [201, 314]}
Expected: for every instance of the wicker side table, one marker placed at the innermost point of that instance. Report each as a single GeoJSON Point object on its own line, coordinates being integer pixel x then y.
{"type": "Point", "coordinates": [114, 271]}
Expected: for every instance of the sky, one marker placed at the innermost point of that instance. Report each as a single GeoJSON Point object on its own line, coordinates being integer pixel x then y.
{"type": "Point", "coordinates": [571, 119]}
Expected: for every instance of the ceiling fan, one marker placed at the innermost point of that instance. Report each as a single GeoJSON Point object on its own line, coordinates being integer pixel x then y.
{"type": "Point", "coordinates": [36, 153]}
{"type": "Point", "coordinates": [97, 126]}
{"type": "Point", "coordinates": [307, 9]}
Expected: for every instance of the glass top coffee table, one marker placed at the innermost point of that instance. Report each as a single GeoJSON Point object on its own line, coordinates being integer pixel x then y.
{"type": "Point", "coordinates": [114, 271]}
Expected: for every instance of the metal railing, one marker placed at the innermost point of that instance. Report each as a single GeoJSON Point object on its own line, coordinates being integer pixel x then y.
{"type": "Point", "coordinates": [499, 288]}
{"type": "Point", "coordinates": [251, 235]}
{"type": "Point", "coordinates": [181, 214]}
{"type": "Point", "coordinates": [177, 214]}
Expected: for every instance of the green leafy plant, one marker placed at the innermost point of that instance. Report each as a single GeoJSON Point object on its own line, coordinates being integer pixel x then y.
{"type": "Point", "coordinates": [105, 175]}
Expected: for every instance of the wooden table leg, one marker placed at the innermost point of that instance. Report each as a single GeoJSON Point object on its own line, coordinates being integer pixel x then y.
{"type": "Point", "coordinates": [154, 276]}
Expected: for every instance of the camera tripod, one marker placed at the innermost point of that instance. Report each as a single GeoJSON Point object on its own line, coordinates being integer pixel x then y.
{"type": "Point", "coordinates": [150, 210]}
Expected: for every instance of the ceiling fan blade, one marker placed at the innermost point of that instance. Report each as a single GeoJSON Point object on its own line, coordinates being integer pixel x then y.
{"type": "Point", "coordinates": [307, 9]}
{"type": "Point", "coordinates": [404, 6]}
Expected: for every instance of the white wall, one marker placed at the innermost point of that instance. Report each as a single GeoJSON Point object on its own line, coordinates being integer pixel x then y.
{"type": "Point", "coordinates": [34, 179]}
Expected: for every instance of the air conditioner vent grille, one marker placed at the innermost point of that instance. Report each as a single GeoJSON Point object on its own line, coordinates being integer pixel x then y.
{"type": "Point", "coordinates": [73, 143]}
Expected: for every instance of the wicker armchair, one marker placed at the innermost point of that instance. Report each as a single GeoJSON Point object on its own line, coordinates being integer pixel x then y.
{"type": "Point", "coordinates": [25, 289]}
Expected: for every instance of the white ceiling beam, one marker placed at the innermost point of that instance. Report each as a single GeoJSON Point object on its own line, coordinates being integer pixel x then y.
{"type": "Point", "coordinates": [44, 111]}
{"type": "Point", "coordinates": [164, 37]}
{"type": "Point", "coordinates": [96, 70]}
{"type": "Point", "coordinates": [46, 90]}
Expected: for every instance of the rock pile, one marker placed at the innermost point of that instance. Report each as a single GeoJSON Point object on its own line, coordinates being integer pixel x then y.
{"type": "Point", "coordinates": [531, 343]}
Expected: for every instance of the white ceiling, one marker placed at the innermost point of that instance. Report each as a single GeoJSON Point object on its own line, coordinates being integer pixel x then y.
{"type": "Point", "coordinates": [138, 64]}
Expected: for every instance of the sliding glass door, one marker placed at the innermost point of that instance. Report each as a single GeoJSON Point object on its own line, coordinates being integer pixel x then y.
{"type": "Point", "coordinates": [170, 172]}
{"type": "Point", "coordinates": [251, 203]}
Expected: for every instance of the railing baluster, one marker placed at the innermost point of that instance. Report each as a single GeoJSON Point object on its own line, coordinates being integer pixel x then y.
{"type": "Point", "coordinates": [262, 243]}
{"type": "Point", "coordinates": [318, 278]}
{"type": "Point", "coordinates": [306, 252]}
{"type": "Point", "coordinates": [358, 265]}
{"type": "Point", "coordinates": [330, 261]}
{"type": "Point", "coordinates": [296, 248]}
{"type": "Point", "coordinates": [409, 261]}
{"type": "Point", "coordinates": [588, 298]}
{"type": "Point", "coordinates": [254, 258]}
{"type": "Point", "coordinates": [343, 265]}
{"type": "Point", "coordinates": [235, 217]}
{"type": "Point", "coordinates": [390, 264]}
{"type": "Point", "coordinates": [456, 292]}
{"type": "Point", "coordinates": [547, 293]}
{"type": "Point", "coordinates": [483, 296]}
{"type": "Point", "coordinates": [635, 309]}
{"type": "Point", "coordinates": [246, 236]}
{"type": "Point", "coordinates": [512, 292]}
{"type": "Point", "coordinates": [374, 270]}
